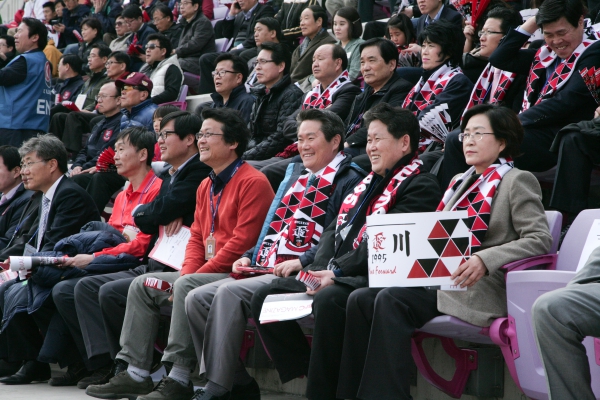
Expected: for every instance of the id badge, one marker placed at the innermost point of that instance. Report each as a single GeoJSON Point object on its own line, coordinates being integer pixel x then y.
{"type": "Point", "coordinates": [130, 232]}
{"type": "Point", "coordinates": [210, 248]}
{"type": "Point", "coordinates": [29, 250]}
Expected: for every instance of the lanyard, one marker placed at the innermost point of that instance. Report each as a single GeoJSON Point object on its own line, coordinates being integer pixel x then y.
{"type": "Point", "coordinates": [140, 199]}
{"type": "Point", "coordinates": [215, 209]}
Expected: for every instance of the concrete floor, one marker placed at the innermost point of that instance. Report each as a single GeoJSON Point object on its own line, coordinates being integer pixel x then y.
{"type": "Point", "coordinates": [46, 392]}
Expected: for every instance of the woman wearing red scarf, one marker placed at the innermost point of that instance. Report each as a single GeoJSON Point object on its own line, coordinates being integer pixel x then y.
{"type": "Point", "coordinates": [507, 224]}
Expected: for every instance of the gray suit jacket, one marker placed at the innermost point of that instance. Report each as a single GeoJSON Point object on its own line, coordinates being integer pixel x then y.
{"type": "Point", "coordinates": [518, 229]}
{"type": "Point", "coordinates": [301, 66]}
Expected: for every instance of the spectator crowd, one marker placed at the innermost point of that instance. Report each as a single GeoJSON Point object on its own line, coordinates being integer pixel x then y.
{"type": "Point", "coordinates": [315, 117]}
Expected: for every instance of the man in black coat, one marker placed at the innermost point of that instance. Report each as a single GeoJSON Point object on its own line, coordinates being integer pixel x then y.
{"type": "Point", "coordinates": [341, 261]}
{"type": "Point", "coordinates": [382, 85]}
{"type": "Point", "coordinates": [14, 195]}
{"type": "Point", "coordinates": [276, 99]}
{"type": "Point", "coordinates": [238, 26]}
{"type": "Point", "coordinates": [100, 300]}
{"type": "Point", "coordinates": [64, 207]}
{"type": "Point", "coordinates": [100, 184]}
{"type": "Point", "coordinates": [132, 15]}
{"type": "Point", "coordinates": [197, 37]}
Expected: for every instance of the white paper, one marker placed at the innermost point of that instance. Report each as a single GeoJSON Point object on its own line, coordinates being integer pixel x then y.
{"type": "Point", "coordinates": [285, 307]}
{"type": "Point", "coordinates": [6, 276]}
{"type": "Point", "coordinates": [80, 101]}
{"type": "Point", "coordinates": [592, 241]}
{"type": "Point", "coordinates": [417, 249]}
{"type": "Point", "coordinates": [170, 250]}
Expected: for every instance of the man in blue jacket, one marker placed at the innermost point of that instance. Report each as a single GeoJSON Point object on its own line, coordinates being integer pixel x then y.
{"type": "Point", "coordinates": [138, 108]}
{"type": "Point", "coordinates": [26, 87]}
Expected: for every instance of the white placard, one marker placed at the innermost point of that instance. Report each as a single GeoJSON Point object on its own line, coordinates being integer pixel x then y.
{"type": "Point", "coordinates": [592, 241]}
{"type": "Point", "coordinates": [170, 250]}
{"type": "Point", "coordinates": [285, 307]}
{"type": "Point", "coordinates": [80, 101]}
{"type": "Point", "coordinates": [417, 249]}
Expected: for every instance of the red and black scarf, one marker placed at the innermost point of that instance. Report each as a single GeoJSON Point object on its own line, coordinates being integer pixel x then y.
{"type": "Point", "coordinates": [378, 205]}
{"type": "Point", "coordinates": [323, 99]}
{"type": "Point", "coordinates": [484, 85]}
{"type": "Point", "coordinates": [543, 59]}
{"type": "Point", "coordinates": [424, 92]}
{"type": "Point", "coordinates": [299, 220]}
{"type": "Point", "coordinates": [477, 199]}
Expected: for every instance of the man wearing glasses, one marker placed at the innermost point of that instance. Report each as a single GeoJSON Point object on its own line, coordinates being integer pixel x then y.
{"type": "Point", "coordinates": [132, 15]}
{"type": "Point", "coordinates": [197, 37]}
{"type": "Point", "coordinates": [229, 76]}
{"type": "Point", "coordinates": [123, 34]}
{"type": "Point", "coordinates": [100, 184]}
{"type": "Point", "coordinates": [137, 105]}
{"type": "Point", "coordinates": [163, 69]}
{"type": "Point", "coordinates": [230, 208]}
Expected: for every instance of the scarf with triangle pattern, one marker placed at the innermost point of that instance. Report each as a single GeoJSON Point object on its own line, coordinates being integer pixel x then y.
{"type": "Point", "coordinates": [484, 85]}
{"type": "Point", "coordinates": [297, 223]}
{"type": "Point", "coordinates": [477, 199]}
{"type": "Point", "coordinates": [563, 71]}
{"type": "Point", "coordinates": [379, 205]}
{"type": "Point", "coordinates": [316, 99]}
{"type": "Point", "coordinates": [423, 94]}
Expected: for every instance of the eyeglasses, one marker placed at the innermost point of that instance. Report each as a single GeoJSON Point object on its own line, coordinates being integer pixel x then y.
{"type": "Point", "coordinates": [476, 136]}
{"type": "Point", "coordinates": [488, 33]}
{"type": "Point", "coordinates": [157, 20]}
{"type": "Point", "coordinates": [103, 96]}
{"type": "Point", "coordinates": [206, 135]}
{"type": "Point", "coordinates": [222, 73]}
{"type": "Point", "coordinates": [131, 21]}
{"type": "Point", "coordinates": [3, 45]}
{"type": "Point", "coordinates": [28, 165]}
{"type": "Point", "coordinates": [262, 61]}
{"type": "Point", "coordinates": [120, 23]}
{"type": "Point", "coordinates": [109, 63]}
{"type": "Point", "coordinates": [152, 46]}
{"type": "Point", "coordinates": [164, 134]}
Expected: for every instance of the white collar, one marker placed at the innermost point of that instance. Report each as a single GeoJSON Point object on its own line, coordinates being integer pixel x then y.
{"type": "Point", "coordinates": [50, 193]}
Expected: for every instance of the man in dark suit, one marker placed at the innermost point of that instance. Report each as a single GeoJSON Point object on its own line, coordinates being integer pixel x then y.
{"type": "Point", "coordinates": [101, 299]}
{"type": "Point", "coordinates": [64, 207]}
{"type": "Point", "coordinates": [239, 26]}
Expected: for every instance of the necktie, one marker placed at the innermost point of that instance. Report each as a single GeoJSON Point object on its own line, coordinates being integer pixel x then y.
{"type": "Point", "coordinates": [311, 180]}
{"type": "Point", "coordinates": [43, 220]}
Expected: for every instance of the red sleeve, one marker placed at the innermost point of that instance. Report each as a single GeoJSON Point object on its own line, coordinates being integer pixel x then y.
{"type": "Point", "coordinates": [207, 8]}
{"type": "Point", "coordinates": [194, 252]}
{"type": "Point", "coordinates": [138, 246]}
{"type": "Point", "coordinates": [256, 195]}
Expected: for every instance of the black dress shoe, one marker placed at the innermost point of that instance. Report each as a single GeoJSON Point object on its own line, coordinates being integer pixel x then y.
{"type": "Point", "coordinates": [31, 371]}
{"type": "Point", "coordinates": [200, 394]}
{"type": "Point", "coordinates": [250, 391]}
{"type": "Point", "coordinates": [74, 374]}
{"type": "Point", "coordinates": [9, 368]}
{"type": "Point", "coordinates": [98, 377]}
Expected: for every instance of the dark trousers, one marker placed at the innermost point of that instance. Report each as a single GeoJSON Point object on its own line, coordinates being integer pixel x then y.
{"type": "Point", "coordinates": [535, 150]}
{"type": "Point", "coordinates": [5, 354]}
{"type": "Point", "coordinates": [76, 125]}
{"type": "Point", "coordinates": [100, 302]}
{"type": "Point", "coordinates": [374, 28]}
{"type": "Point", "coordinates": [101, 186]}
{"type": "Point", "coordinates": [454, 160]}
{"type": "Point", "coordinates": [16, 137]}
{"type": "Point", "coordinates": [376, 360]}
{"type": "Point", "coordinates": [577, 155]}
{"type": "Point", "coordinates": [63, 295]}
{"type": "Point", "coordinates": [291, 352]}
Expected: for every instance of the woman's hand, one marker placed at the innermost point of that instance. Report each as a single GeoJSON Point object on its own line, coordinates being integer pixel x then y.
{"type": "Point", "coordinates": [79, 261]}
{"type": "Point", "coordinates": [242, 262]}
{"type": "Point", "coordinates": [326, 278]}
{"type": "Point", "coordinates": [470, 272]}
{"type": "Point", "coordinates": [286, 268]}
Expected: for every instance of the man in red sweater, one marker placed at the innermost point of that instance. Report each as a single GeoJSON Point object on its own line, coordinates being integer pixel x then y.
{"type": "Point", "coordinates": [230, 208]}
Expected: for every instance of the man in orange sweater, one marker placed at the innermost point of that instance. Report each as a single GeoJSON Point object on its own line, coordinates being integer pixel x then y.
{"type": "Point", "coordinates": [230, 208]}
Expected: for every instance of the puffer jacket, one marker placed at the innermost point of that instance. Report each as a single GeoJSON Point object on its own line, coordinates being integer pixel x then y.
{"type": "Point", "coordinates": [347, 177]}
{"type": "Point", "coordinates": [269, 114]}
{"type": "Point", "coordinates": [93, 237]}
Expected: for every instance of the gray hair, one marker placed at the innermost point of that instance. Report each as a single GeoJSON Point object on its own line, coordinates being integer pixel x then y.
{"type": "Point", "coordinates": [47, 147]}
